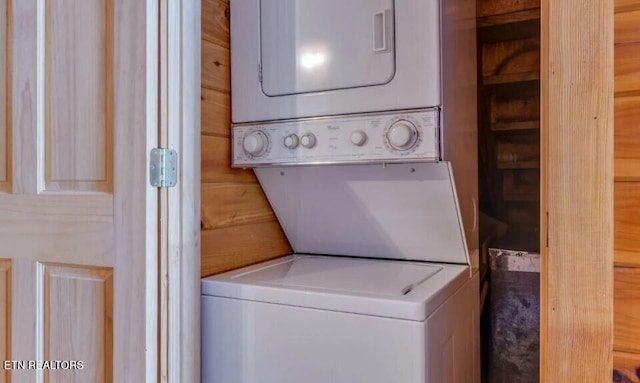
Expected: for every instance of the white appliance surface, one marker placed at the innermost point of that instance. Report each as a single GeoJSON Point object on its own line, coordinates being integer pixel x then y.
{"type": "Point", "coordinates": [397, 289]}
{"type": "Point", "coordinates": [344, 275]}
{"type": "Point", "coordinates": [251, 340]}
{"type": "Point", "coordinates": [302, 53]}
{"type": "Point", "coordinates": [293, 59]}
{"type": "Point", "coordinates": [401, 211]}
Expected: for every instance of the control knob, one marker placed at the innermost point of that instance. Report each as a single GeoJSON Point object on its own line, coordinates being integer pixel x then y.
{"type": "Point", "coordinates": [308, 140]}
{"type": "Point", "coordinates": [402, 135]}
{"type": "Point", "coordinates": [358, 138]}
{"type": "Point", "coordinates": [291, 141]}
{"type": "Point", "coordinates": [255, 144]}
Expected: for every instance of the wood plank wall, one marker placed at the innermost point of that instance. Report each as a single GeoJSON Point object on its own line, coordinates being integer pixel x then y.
{"type": "Point", "coordinates": [238, 225]}
{"type": "Point", "coordinates": [627, 192]}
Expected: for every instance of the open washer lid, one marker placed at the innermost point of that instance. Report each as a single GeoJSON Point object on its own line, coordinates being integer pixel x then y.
{"type": "Point", "coordinates": [400, 211]}
{"type": "Point", "coordinates": [396, 289]}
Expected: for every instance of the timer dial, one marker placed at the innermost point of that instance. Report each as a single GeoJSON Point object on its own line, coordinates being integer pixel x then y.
{"type": "Point", "coordinates": [402, 135]}
{"type": "Point", "coordinates": [255, 144]}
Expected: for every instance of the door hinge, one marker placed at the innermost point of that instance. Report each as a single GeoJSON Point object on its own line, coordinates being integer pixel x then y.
{"type": "Point", "coordinates": [163, 168]}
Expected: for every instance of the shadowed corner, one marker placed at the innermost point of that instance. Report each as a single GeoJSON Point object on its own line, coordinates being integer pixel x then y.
{"type": "Point", "coordinates": [626, 376]}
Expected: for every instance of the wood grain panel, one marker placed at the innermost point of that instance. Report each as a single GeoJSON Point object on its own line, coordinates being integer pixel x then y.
{"type": "Point", "coordinates": [626, 367]}
{"type": "Point", "coordinates": [5, 316]}
{"type": "Point", "coordinates": [627, 169]}
{"type": "Point", "coordinates": [508, 18]}
{"type": "Point", "coordinates": [78, 322]}
{"type": "Point", "coordinates": [627, 27]}
{"type": "Point", "coordinates": [216, 113]}
{"type": "Point", "coordinates": [239, 227]}
{"type": "Point", "coordinates": [627, 309]}
{"type": "Point", "coordinates": [522, 106]}
{"type": "Point", "coordinates": [216, 162]}
{"type": "Point", "coordinates": [577, 190]}
{"type": "Point", "coordinates": [627, 127]}
{"type": "Point", "coordinates": [215, 22]}
{"type": "Point", "coordinates": [216, 69]}
{"type": "Point", "coordinates": [79, 95]}
{"type": "Point", "coordinates": [511, 57]}
{"type": "Point", "coordinates": [26, 175]}
{"type": "Point", "coordinates": [24, 288]}
{"type": "Point", "coordinates": [627, 223]}
{"type": "Point", "coordinates": [627, 138]}
{"type": "Point", "coordinates": [626, 5]}
{"type": "Point", "coordinates": [225, 205]}
{"type": "Point", "coordinates": [237, 246]}
{"type": "Point", "coordinates": [627, 65]}
{"type": "Point", "coordinates": [495, 7]}
{"type": "Point", "coordinates": [5, 147]}
{"type": "Point", "coordinates": [59, 223]}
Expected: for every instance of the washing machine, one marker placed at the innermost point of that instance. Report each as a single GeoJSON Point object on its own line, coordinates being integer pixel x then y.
{"type": "Point", "coordinates": [359, 121]}
{"type": "Point", "coordinates": [320, 319]}
{"type": "Point", "coordinates": [379, 289]}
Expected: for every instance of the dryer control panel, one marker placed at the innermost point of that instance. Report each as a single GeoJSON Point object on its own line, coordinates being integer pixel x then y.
{"type": "Point", "coordinates": [390, 137]}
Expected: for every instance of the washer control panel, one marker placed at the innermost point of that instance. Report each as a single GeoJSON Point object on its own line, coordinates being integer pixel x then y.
{"type": "Point", "coordinates": [392, 137]}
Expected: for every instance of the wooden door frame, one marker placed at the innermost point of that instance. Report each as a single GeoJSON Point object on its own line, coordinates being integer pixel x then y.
{"type": "Point", "coordinates": [577, 77]}
{"type": "Point", "coordinates": [138, 111]}
{"type": "Point", "coordinates": [140, 18]}
{"type": "Point", "coordinates": [180, 231]}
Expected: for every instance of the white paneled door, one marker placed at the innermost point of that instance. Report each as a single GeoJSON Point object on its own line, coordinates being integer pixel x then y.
{"type": "Point", "coordinates": [78, 219]}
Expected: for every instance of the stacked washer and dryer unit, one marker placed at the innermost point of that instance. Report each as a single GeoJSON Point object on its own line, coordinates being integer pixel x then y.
{"type": "Point", "coordinates": [357, 117]}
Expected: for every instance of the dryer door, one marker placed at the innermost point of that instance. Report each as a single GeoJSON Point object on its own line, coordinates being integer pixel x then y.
{"type": "Point", "coordinates": [320, 45]}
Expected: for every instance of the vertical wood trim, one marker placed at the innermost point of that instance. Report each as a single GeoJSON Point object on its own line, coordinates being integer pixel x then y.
{"type": "Point", "coordinates": [109, 40]}
{"type": "Point", "coordinates": [136, 294]}
{"type": "Point", "coordinates": [544, 160]}
{"type": "Point", "coordinates": [5, 105]}
{"type": "Point", "coordinates": [5, 317]}
{"type": "Point", "coordinates": [163, 361]}
{"type": "Point", "coordinates": [184, 200]}
{"type": "Point", "coordinates": [577, 194]}
{"type": "Point", "coordinates": [42, 334]}
{"type": "Point", "coordinates": [9, 95]}
{"type": "Point", "coordinates": [40, 89]}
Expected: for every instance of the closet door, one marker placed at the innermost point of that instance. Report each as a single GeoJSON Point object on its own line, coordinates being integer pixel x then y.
{"type": "Point", "coordinates": [78, 220]}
